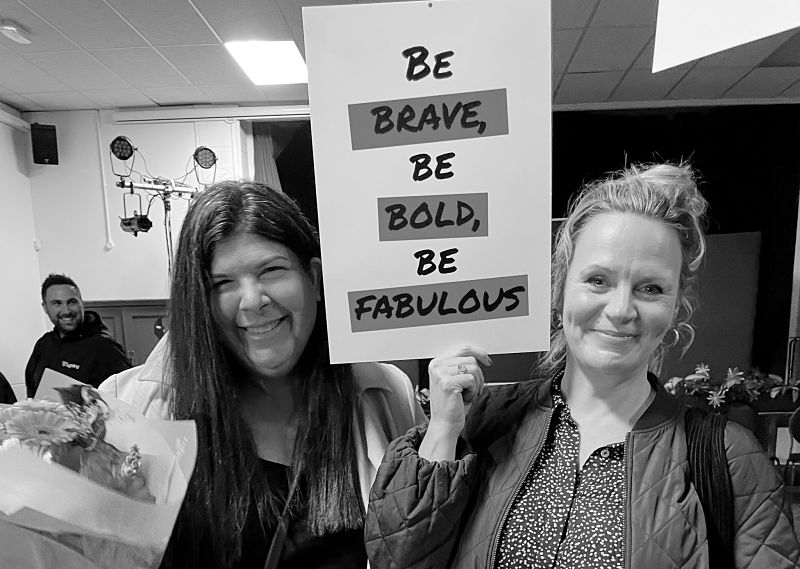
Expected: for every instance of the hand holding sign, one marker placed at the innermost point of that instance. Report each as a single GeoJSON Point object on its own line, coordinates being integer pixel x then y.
{"type": "Point", "coordinates": [456, 380]}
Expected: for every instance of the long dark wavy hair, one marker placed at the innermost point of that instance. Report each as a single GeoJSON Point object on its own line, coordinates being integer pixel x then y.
{"type": "Point", "coordinates": [226, 481]}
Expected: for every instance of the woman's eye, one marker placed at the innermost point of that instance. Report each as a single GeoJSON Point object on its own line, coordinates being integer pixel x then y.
{"type": "Point", "coordinates": [652, 289]}
{"type": "Point", "coordinates": [220, 284]}
{"type": "Point", "coordinates": [596, 281]}
{"type": "Point", "coordinates": [273, 270]}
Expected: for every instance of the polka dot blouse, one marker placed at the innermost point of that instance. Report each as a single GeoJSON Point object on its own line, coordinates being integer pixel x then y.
{"type": "Point", "coordinates": [565, 516]}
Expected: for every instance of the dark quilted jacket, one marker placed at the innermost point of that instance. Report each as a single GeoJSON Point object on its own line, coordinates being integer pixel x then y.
{"type": "Point", "coordinates": [448, 514]}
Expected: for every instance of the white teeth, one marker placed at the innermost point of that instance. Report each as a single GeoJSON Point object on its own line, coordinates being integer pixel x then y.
{"type": "Point", "coordinates": [263, 329]}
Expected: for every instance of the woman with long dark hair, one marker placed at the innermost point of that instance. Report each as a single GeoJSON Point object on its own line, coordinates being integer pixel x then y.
{"type": "Point", "coordinates": [288, 443]}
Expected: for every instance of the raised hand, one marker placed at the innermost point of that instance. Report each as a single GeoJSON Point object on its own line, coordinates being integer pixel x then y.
{"type": "Point", "coordinates": [455, 380]}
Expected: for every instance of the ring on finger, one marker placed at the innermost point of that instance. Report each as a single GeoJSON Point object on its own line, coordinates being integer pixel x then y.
{"type": "Point", "coordinates": [462, 368]}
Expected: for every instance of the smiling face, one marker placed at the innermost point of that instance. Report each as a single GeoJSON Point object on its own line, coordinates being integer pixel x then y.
{"type": "Point", "coordinates": [264, 302]}
{"type": "Point", "coordinates": [620, 294]}
{"type": "Point", "coordinates": [64, 307]}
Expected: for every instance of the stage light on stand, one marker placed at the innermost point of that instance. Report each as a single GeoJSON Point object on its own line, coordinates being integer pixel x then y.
{"type": "Point", "coordinates": [122, 149]}
{"type": "Point", "coordinates": [206, 159]}
{"type": "Point", "coordinates": [138, 222]}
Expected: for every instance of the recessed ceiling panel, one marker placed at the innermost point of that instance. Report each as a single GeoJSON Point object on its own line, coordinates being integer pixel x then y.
{"type": "Point", "coordinates": [564, 42]}
{"type": "Point", "coordinates": [18, 102]}
{"type": "Point", "coordinates": [752, 53]}
{"type": "Point", "coordinates": [245, 20]}
{"type": "Point", "coordinates": [166, 22]}
{"type": "Point", "coordinates": [42, 35]}
{"type": "Point", "coordinates": [21, 76]}
{"type": "Point", "coordinates": [141, 67]}
{"type": "Point", "coordinates": [587, 87]}
{"type": "Point", "coordinates": [286, 93]}
{"type": "Point", "coordinates": [64, 101]}
{"type": "Point", "coordinates": [568, 14]}
{"type": "Point", "coordinates": [118, 98]}
{"type": "Point", "coordinates": [78, 70]}
{"type": "Point", "coordinates": [89, 23]}
{"type": "Point", "coordinates": [176, 95]}
{"type": "Point", "coordinates": [642, 85]}
{"type": "Point", "coordinates": [206, 65]}
{"type": "Point", "coordinates": [609, 49]}
{"type": "Point", "coordinates": [707, 83]}
{"type": "Point", "coordinates": [764, 83]}
{"type": "Point", "coordinates": [624, 13]}
{"type": "Point", "coordinates": [227, 94]}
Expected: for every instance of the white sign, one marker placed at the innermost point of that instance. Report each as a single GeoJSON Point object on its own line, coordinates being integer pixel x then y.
{"type": "Point", "coordinates": [431, 133]}
{"type": "Point", "coordinates": [690, 29]}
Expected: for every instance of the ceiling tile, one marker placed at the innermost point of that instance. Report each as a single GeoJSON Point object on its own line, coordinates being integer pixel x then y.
{"type": "Point", "coordinates": [166, 22]}
{"type": "Point", "coordinates": [568, 14]}
{"type": "Point", "coordinates": [245, 19]}
{"type": "Point", "coordinates": [223, 94]}
{"type": "Point", "coordinates": [625, 13]}
{"type": "Point", "coordinates": [206, 65]}
{"type": "Point", "coordinates": [749, 54]}
{"type": "Point", "coordinates": [141, 67]}
{"type": "Point", "coordinates": [587, 87]}
{"type": "Point", "coordinates": [43, 36]}
{"type": "Point", "coordinates": [760, 83]}
{"type": "Point", "coordinates": [286, 93]}
{"type": "Point", "coordinates": [564, 42]}
{"type": "Point", "coordinates": [645, 60]}
{"type": "Point", "coordinates": [77, 69]}
{"type": "Point", "coordinates": [792, 91]}
{"type": "Point", "coordinates": [643, 85]}
{"type": "Point", "coordinates": [707, 83]}
{"type": "Point", "coordinates": [608, 49]}
{"type": "Point", "coordinates": [61, 101]}
{"type": "Point", "coordinates": [176, 95]}
{"type": "Point", "coordinates": [18, 101]}
{"type": "Point", "coordinates": [89, 23]}
{"type": "Point", "coordinates": [20, 75]}
{"type": "Point", "coordinates": [118, 98]}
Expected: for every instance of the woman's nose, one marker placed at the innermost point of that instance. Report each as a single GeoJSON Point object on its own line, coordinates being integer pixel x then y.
{"type": "Point", "coordinates": [253, 296]}
{"type": "Point", "coordinates": [620, 307]}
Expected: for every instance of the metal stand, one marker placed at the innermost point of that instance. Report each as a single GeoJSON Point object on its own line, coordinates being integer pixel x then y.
{"type": "Point", "coordinates": [165, 189]}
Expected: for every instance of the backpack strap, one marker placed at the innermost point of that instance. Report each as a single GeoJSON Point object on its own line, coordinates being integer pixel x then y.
{"type": "Point", "coordinates": [708, 470]}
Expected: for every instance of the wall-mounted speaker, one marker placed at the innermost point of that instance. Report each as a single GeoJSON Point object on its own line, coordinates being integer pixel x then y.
{"type": "Point", "coordinates": [43, 143]}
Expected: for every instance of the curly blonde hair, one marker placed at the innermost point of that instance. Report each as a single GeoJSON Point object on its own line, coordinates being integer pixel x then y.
{"type": "Point", "coordinates": [663, 192]}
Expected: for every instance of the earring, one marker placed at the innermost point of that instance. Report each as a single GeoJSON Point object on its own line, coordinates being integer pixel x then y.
{"type": "Point", "coordinates": [556, 321]}
{"type": "Point", "coordinates": [675, 342]}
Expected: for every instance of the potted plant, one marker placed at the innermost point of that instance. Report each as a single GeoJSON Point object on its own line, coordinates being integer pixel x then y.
{"type": "Point", "coordinates": [738, 394]}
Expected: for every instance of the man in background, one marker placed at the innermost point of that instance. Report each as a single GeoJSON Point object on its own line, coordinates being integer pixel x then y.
{"type": "Point", "coordinates": [79, 345]}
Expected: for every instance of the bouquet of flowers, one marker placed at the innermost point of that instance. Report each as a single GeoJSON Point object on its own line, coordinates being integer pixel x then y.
{"type": "Point", "coordinates": [86, 481]}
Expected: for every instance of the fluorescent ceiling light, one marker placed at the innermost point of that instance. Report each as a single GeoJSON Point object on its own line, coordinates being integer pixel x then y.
{"type": "Point", "coordinates": [269, 62]}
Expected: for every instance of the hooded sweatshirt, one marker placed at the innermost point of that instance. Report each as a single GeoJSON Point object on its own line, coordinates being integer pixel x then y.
{"type": "Point", "coordinates": [88, 354]}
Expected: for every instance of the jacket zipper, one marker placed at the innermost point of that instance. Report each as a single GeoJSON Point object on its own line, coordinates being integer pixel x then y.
{"type": "Point", "coordinates": [628, 482]}
{"type": "Point", "coordinates": [507, 508]}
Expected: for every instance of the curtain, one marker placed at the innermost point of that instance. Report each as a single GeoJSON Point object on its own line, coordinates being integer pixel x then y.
{"type": "Point", "coordinates": [264, 150]}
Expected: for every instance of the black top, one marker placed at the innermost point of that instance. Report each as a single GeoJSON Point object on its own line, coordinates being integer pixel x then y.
{"type": "Point", "coordinates": [88, 354]}
{"type": "Point", "coordinates": [6, 393]}
{"type": "Point", "coordinates": [342, 550]}
{"type": "Point", "coordinates": [568, 515]}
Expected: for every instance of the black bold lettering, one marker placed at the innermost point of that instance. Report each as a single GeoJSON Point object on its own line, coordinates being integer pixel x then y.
{"type": "Point", "coordinates": [491, 306]}
{"type": "Point", "coordinates": [430, 117]}
{"type": "Point", "coordinates": [417, 68]}
{"type": "Point", "coordinates": [423, 212]}
{"type": "Point", "coordinates": [421, 169]}
{"type": "Point", "coordinates": [450, 118]}
{"type": "Point", "coordinates": [425, 310]}
{"type": "Point", "coordinates": [447, 259]}
{"type": "Point", "coordinates": [444, 310]}
{"type": "Point", "coordinates": [360, 308]}
{"type": "Point", "coordinates": [471, 113]}
{"type": "Point", "coordinates": [426, 265]}
{"type": "Point", "coordinates": [471, 296]}
{"type": "Point", "coordinates": [383, 120]}
{"type": "Point", "coordinates": [440, 64]}
{"type": "Point", "coordinates": [440, 221]}
{"type": "Point", "coordinates": [404, 117]}
{"type": "Point", "coordinates": [404, 307]}
{"type": "Point", "coordinates": [442, 164]}
{"type": "Point", "coordinates": [511, 294]}
{"type": "Point", "coordinates": [465, 213]}
{"type": "Point", "coordinates": [383, 306]}
{"type": "Point", "coordinates": [397, 218]}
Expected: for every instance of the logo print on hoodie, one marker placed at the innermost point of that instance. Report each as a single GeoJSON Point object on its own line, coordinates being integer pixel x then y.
{"type": "Point", "coordinates": [68, 365]}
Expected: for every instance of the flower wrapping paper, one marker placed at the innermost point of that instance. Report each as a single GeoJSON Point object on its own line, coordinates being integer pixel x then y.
{"type": "Point", "coordinates": [51, 516]}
